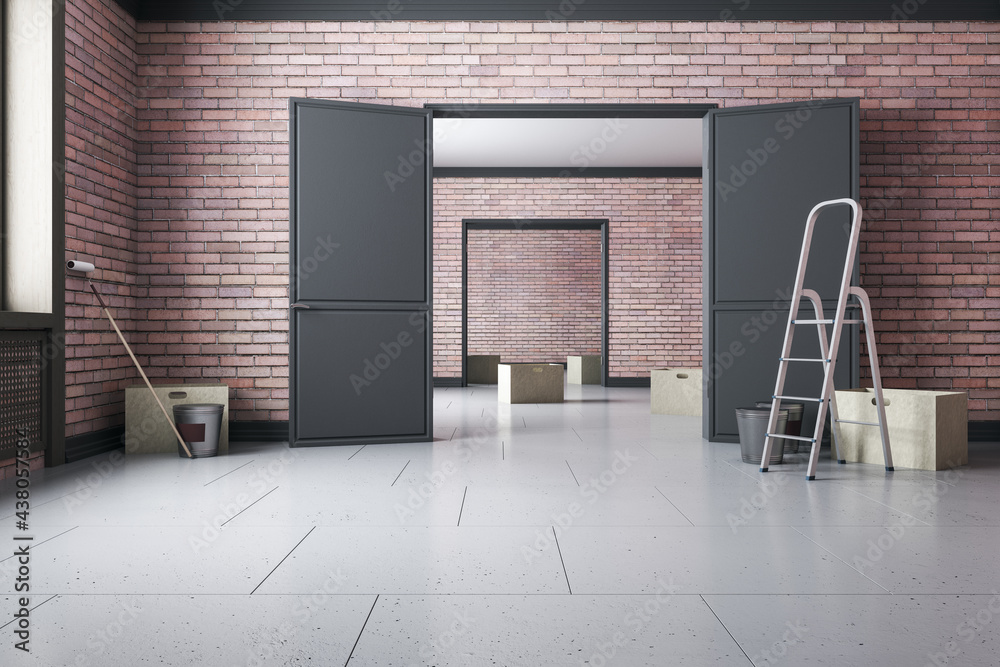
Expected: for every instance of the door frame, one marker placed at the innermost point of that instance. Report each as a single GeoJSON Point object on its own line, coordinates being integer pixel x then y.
{"type": "Point", "coordinates": [426, 305]}
{"type": "Point", "coordinates": [528, 224]}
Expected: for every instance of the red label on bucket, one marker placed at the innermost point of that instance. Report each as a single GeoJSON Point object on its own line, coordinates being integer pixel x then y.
{"type": "Point", "coordinates": [192, 432]}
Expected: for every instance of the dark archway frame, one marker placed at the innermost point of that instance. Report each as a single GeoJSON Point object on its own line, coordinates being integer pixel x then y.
{"type": "Point", "coordinates": [534, 224]}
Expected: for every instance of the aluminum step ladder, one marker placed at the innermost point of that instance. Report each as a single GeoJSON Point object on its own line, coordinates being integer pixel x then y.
{"type": "Point", "coordinates": [828, 349]}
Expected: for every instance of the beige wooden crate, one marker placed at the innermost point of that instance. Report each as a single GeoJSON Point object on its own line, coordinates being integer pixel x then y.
{"type": "Point", "coordinates": [675, 391]}
{"type": "Point", "coordinates": [530, 383]}
{"type": "Point", "coordinates": [928, 430]}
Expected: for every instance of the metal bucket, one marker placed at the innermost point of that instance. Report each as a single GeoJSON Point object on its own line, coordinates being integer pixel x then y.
{"type": "Point", "coordinates": [201, 426]}
{"type": "Point", "coordinates": [752, 425]}
{"type": "Point", "coordinates": [794, 426]}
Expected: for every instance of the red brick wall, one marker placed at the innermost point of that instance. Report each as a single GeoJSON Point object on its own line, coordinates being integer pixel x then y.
{"type": "Point", "coordinates": [534, 295]}
{"type": "Point", "coordinates": [212, 166]}
{"type": "Point", "coordinates": [654, 260]}
{"type": "Point", "coordinates": [100, 209]}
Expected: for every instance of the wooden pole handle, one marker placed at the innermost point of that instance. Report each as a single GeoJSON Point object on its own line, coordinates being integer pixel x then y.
{"type": "Point", "coordinates": [107, 311]}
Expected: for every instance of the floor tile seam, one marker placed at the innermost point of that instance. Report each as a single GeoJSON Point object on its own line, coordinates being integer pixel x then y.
{"type": "Point", "coordinates": [362, 631]}
{"type": "Point", "coordinates": [233, 518]}
{"type": "Point", "coordinates": [728, 631]}
{"type": "Point", "coordinates": [230, 472]}
{"type": "Point", "coordinates": [273, 570]}
{"type": "Point", "coordinates": [894, 509]}
{"type": "Point", "coordinates": [842, 560]}
{"type": "Point", "coordinates": [686, 518]}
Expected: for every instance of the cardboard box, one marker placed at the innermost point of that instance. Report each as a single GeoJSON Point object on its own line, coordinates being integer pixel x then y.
{"type": "Point", "coordinates": [585, 369]}
{"type": "Point", "coordinates": [676, 391]}
{"type": "Point", "coordinates": [147, 430]}
{"type": "Point", "coordinates": [530, 383]}
{"type": "Point", "coordinates": [928, 430]}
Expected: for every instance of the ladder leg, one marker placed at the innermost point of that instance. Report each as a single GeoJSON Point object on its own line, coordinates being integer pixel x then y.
{"type": "Point", "coordinates": [883, 425]}
{"type": "Point", "coordinates": [835, 441]}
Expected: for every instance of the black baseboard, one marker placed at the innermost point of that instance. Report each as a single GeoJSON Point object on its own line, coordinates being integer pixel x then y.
{"type": "Point", "coordinates": [258, 431]}
{"type": "Point", "coordinates": [447, 382]}
{"type": "Point", "coordinates": [984, 431]}
{"type": "Point", "coordinates": [628, 382]}
{"type": "Point", "coordinates": [91, 444]}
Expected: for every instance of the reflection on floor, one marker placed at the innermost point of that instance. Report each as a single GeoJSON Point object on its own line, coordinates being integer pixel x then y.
{"type": "Point", "coordinates": [589, 532]}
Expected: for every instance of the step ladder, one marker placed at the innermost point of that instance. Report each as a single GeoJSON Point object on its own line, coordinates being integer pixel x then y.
{"type": "Point", "coordinates": [828, 349]}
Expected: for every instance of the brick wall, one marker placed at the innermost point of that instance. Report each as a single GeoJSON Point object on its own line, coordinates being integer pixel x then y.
{"type": "Point", "coordinates": [100, 209]}
{"type": "Point", "coordinates": [654, 260]}
{"type": "Point", "coordinates": [534, 295]}
{"type": "Point", "coordinates": [211, 208]}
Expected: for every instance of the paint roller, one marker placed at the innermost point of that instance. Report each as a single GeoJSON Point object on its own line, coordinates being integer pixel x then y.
{"type": "Point", "coordinates": [86, 268]}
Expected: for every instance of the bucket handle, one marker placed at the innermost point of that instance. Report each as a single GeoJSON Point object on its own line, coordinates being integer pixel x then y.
{"type": "Point", "coordinates": [177, 394]}
{"type": "Point", "coordinates": [887, 402]}
{"type": "Point", "coordinates": [682, 376]}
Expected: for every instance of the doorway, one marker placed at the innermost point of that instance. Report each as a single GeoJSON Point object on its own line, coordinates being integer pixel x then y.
{"type": "Point", "coordinates": [528, 226]}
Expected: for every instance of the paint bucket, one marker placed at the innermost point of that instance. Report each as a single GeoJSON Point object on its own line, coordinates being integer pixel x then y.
{"type": "Point", "coordinates": [752, 425]}
{"type": "Point", "coordinates": [200, 424]}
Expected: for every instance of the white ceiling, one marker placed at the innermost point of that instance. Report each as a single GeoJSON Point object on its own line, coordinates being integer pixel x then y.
{"type": "Point", "coordinates": [571, 143]}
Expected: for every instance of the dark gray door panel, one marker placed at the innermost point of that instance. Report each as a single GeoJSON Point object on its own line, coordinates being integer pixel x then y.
{"type": "Point", "coordinates": [361, 189]}
{"type": "Point", "coordinates": [760, 223]}
{"type": "Point", "coordinates": [364, 370]}
{"type": "Point", "coordinates": [766, 167]}
{"type": "Point", "coordinates": [745, 364]}
{"type": "Point", "coordinates": [360, 340]}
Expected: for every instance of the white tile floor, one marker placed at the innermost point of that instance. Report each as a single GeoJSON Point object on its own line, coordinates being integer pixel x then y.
{"type": "Point", "coordinates": [586, 533]}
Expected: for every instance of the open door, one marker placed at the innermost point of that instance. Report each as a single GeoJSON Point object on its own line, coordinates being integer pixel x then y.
{"type": "Point", "coordinates": [765, 168]}
{"type": "Point", "coordinates": [360, 274]}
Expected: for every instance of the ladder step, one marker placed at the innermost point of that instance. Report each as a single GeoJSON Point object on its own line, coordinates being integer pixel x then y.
{"type": "Point", "coordinates": [849, 421]}
{"type": "Point", "coordinates": [826, 322]}
{"type": "Point", "coordinates": [790, 437]}
{"type": "Point", "coordinates": [822, 361]}
{"type": "Point", "coordinates": [799, 398]}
